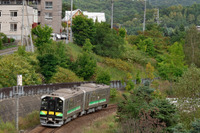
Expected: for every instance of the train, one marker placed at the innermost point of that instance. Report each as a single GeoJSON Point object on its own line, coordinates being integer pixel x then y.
{"type": "Point", "coordinates": [66, 104]}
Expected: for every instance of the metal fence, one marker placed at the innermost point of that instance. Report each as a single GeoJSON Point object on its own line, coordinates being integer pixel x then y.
{"type": "Point", "coordinates": [6, 93]}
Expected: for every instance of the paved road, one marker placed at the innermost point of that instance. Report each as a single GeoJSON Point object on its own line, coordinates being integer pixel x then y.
{"type": "Point", "coordinates": [8, 51]}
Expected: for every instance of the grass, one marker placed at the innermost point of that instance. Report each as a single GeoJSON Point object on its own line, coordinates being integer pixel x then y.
{"type": "Point", "coordinates": [31, 120]}
{"type": "Point", "coordinates": [9, 46]}
{"type": "Point", "coordinates": [103, 125]}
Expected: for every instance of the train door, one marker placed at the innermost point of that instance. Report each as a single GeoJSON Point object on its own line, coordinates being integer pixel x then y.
{"type": "Point", "coordinates": [51, 109]}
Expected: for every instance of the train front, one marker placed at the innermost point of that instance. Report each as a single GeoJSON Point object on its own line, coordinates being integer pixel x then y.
{"type": "Point", "coordinates": [51, 111]}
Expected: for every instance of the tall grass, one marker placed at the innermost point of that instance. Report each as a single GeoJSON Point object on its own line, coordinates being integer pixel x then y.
{"type": "Point", "coordinates": [103, 125]}
{"type": "Point", "coordinates": [31, 120]}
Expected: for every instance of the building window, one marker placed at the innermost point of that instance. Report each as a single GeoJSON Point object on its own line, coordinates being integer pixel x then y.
{"type": "Point", "coordinates": [38, 13]}
{"type": "Point", "coordinates": [0, 26]}
{"type": "Point", "coordinates": [48, 5]}
{"type": "Point", "coordinates": [48, 16]}
{"type": "Point", "coordinates": [0, 13]}
{"type": "Point", "coordinates": [13, 13]}
{"type": "Point", "coordinates": [13, 27]}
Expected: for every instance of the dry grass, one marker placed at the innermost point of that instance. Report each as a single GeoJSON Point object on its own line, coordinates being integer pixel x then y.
{"type": "Point", "coordinates": [103, 125]}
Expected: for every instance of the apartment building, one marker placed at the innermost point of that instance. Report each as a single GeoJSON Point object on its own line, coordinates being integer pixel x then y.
{"type": "Point", "coordinates": [44, 12]}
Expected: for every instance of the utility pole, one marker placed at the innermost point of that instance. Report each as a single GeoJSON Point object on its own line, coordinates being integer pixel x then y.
{"type": "Point", "coordinates": [144, 15]}
{"type": "Point", "coordinates": [17, 91]}
{"type": "Point", "coordinates": [71, 21]}
{"type": "Point", "coordinates": [67, 41]}
{"type": "Point", "coordinates": [22, 32]}
{"type": "Point", "coordinates": [31, 41]}
{"type": "Point", "coordinates": [112, 5]}
{"type": "Point", "coordinates": [157, 18]}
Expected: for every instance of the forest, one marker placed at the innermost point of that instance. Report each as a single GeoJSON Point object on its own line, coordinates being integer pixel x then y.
{"type": "Point", "coordinates": [129, 14]}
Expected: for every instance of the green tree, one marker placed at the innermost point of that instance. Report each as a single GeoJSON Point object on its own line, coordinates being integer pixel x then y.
{"type": "Point", "coordinates": [103, 77]}
{"type": "Point", "coordinates": [12, 65]}
{"type": "Point", "coordinates": [85, 65]}
{"type": "Point", "coordinates": [173, 64]}
{"type": "Point", "coordinates": [83, 28]}
{"type": "Point", "coordinates": [43, 35]}
{"type": "Point", "coordinates": [48, 65]}
{"type": "Point", "coordinates": [64, 25]}
{"type": "Point", "coordinates": [191, 47]}
{"type": "Point", "coordinates": [122, 32]}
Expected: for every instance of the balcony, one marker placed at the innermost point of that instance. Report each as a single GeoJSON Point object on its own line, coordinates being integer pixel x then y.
{"type": "Point", "coordinates": [32, 3]}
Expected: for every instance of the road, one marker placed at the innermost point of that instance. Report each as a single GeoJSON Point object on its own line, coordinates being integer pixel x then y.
{"type": "Point", "coordinates": [8, 51]}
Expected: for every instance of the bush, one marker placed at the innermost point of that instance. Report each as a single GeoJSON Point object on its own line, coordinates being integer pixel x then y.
{"type": "Point", "coordinates": [64, 75]}
{"type": "Point", "coordinates": [85, 66]}
{"type": "Point", "coordinates": [195, 126]}
{"type": "Point", "coordinates": [48, 64]}
{"type": "Point", "coordinates": [7, 127]}
{"type": "Point", "coordinates": [119, 64]}
{"type": "Point", "coordinates": [1, 43]}
{"type": "Point", "coordinates": [103, 77]}
{"type": "Point", "coordinates": [12, 65]}
{"type": "Point", "coordinates": [113, 93]}
{"type": "Point", "coordinates": [4, 37]}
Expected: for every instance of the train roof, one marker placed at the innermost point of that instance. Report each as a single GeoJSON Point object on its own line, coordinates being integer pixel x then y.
{"type": "Point", "coordinates": [70, 92]}
{"type": "Point", "coordinates": [92, 87]}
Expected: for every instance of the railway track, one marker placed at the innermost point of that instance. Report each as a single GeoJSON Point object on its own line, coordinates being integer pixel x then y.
{"type": "Point", "coordinates": [75, 125]}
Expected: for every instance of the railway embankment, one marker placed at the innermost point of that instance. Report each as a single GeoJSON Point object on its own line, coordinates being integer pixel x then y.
{"type": "Point", "coordinates": [27, 104]}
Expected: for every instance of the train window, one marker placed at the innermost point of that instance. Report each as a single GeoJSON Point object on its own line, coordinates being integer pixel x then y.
{"type": "Point", "coordinates": [44, 104]}
{"type": "Point", "coordinates": [59, 105]}
{"type": "Point", "coordinates": [51, 105]}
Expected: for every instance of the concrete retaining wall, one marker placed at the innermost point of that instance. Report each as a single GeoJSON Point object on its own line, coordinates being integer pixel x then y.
{"type": "Point", "coordinates": [26, 105]}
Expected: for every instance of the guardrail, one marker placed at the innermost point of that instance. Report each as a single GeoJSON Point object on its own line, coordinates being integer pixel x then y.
{"type": "Point", "coordinates": [6, 93]}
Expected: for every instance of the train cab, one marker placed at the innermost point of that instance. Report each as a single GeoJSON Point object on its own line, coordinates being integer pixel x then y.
{"type": "Point", "coordinates": [51, 111]}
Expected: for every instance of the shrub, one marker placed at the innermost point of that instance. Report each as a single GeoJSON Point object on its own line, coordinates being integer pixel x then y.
{"type": "Point", "coordinates": [85, 66]}
{"type": "Point", "coordinates": [4, 37]}
{"type": "Point", "coordinates": [119, 64]}
{"type": "Point", "coordinates": [195, 126]}
{"type": "Point", "coordinates": [103, 77]}
{"type": "Point", "coordinates": [12, 65]}
{"type": "Point", "coordinates": [31, 120]}
{"type": "Point", "coordinates": [1, 43]}
{"type": "Point", "coordinates": [113, 93]}
{"type": "Point", "coordinates": [64, 75]}
{"type": "Point", "coordinates": [48, 64]}
{"type": "Point", "coordinates": [138, 79]}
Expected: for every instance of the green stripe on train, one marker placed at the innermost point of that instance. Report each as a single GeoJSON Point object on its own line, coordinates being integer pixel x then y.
{"type": "Point", "coordinates": [98, 101]}
{"type": "Point", "coordinates": [74, 109]}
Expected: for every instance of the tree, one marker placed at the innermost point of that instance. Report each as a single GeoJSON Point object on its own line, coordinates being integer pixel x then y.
{"type": "Point", "coordinates": [85, 65]}
{"type": "Point", "coordinates": [48, 64]}
{"type": "Point", "coordinates": [103, 77]}
{"type": "Point", "coordinates": [64, 25]}
{"type": "Point", "coordinates": [12, 65]}
{"type": "Point", "coordinates": [122, 32]}
{"type": "Point", "coordinates": [43, 36]}
{"type": "Point", "coordinates": [173, 64]}
{"type": "Point", "coordinates": [83, 28]}
{"type": "Point", "coordinates": [191, 47]}
{"type": "Point", "coordinates": [150, 71]}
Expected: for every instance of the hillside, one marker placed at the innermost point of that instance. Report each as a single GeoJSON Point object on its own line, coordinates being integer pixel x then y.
{"type": "Point", "coordinates": [130, 13]}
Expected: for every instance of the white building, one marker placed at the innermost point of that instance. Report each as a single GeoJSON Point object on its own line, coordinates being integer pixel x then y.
{"type": "Point", "coordinates": [11, 19]}
{"type": "Point", "coordinates": [96, 16]}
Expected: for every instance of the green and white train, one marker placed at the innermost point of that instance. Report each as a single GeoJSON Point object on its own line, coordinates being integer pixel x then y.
{"type": "Point", "coordinates": [66, 104]}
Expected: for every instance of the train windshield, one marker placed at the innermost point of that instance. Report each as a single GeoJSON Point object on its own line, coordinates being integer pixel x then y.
{"type": "Point", "coordinates": [59, 105]}
{"type": "Point", "coordinates": [44, 103]}
{"type": "Point", "coordinates": [52, 104]}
